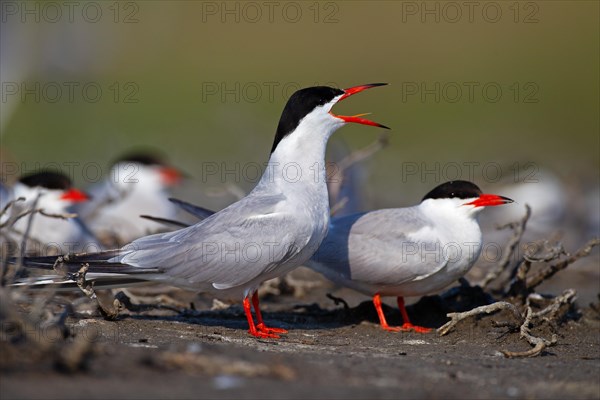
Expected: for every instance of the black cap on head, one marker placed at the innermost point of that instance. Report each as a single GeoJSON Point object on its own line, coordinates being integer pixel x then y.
{"type": "Point", "coordinates": [300, 104]}
{"type": "Point", "coordinates": [454, 190]}
{"type": "Point", "coordinates": [142, 157]}
{"type": "Point", "coordinates": [47, 179]}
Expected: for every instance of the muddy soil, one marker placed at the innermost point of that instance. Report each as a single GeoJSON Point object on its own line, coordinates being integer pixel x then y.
{"type": "Point", "coordinates": [330, 352]}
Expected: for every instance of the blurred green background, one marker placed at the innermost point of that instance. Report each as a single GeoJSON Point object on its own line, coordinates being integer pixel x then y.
{"type": "Point", "coordinates": [206, 82]}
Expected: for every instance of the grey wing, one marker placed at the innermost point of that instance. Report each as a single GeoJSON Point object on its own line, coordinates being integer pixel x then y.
{"type": "Point", "coordinates": [384, 247]}
{"type": "Point", "coordinates": [228, 249]}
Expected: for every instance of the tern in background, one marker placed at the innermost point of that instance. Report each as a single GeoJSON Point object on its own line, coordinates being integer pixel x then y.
{"type": "Point", "coordinates": [411, 251]}
{"type": "Point", "coordinates": [52, 194]}
{"type": "Point", "coordinates": [137, 184]}
{"type": "Point", "coordinates": [274, 229]}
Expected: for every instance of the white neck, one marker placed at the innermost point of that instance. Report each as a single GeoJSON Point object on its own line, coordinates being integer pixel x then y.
{"type": "Point", "coordinates": [299, 158]}
{"type": "Point", "coordinates": [453, 219]}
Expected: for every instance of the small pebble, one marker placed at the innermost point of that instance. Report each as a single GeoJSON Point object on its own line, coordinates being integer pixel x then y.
{"type": "Point", "coordinates": [194, 348]}
{"type": "Point", "coordinates": [224, 382]}
{"type": "Point", "coordinates": [512, 391]}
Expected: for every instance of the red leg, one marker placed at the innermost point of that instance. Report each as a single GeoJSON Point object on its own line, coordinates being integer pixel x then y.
{"type": "Point", "coordinates": [407, 326]}
{"type": "Point", "coordinates": [261, 325]}
{"type": "Point", "coordinates": [252, 328]}
{"type": "Point", "coordinates": [382, 321]}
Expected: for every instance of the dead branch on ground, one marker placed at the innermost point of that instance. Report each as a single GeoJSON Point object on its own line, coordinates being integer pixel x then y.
{"type": "Point", "coordinates": [455, 318]}
{"type": "Point", "coordinates": [88, 290]}
{"type": "Point", "coordinates": [519, 295]}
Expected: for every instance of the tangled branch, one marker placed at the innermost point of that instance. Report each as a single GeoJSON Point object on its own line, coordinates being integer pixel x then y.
{"type": "Point", "coordinates": [518, 228]}
{"type": "Point", "coordinates": [552, 269]}
{"type": "Point", "coordinates": [455, 318]}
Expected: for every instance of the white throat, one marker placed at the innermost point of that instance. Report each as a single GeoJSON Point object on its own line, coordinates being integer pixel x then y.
{"type": "Point", "coordinates": [300, 156]}
{"type": "Point", "coordinates": [454, 220]}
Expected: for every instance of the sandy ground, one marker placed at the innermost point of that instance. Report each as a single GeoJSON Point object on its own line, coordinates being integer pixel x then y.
{"type": "Point", "coordinates": [330, 352]}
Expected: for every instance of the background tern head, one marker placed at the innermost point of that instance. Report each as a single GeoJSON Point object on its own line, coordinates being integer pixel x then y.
{"type": "Point", "coordinates": [137, 184]}
{"type": "Point", "coordinates": [55, 189]}
{"type": "Point", "coordinates": [55, 195]}
{"type": "Point", "coordinates": [145, 167]}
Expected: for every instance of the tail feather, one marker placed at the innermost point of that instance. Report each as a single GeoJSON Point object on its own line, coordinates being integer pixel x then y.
{"type": "Point", "coordinates": [61, 284]}
{"type": "Point", "coordinates": [99, 262]}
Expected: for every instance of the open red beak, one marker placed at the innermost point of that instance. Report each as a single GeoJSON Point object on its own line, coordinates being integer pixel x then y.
{"type": "Point", "coordinates": [170, 175]}
{"type": "Point", "coordinates": [357, 118]}
{"type": "Point", "coordinates": [486, 200]}
{"type": "Point", "coordinates": [74, 195]}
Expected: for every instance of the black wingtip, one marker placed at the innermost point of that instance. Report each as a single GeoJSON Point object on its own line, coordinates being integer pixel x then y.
{"type": "Point", "coordinates": [197, 211]}
{"type": "Point", "coordinates": [165, 221]}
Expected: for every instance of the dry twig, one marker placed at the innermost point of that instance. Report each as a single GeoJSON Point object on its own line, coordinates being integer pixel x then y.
{"type": "Point", "coordinates": [549, 271]}
{"type": "Point", "coordinates": [553, 252]}
{"type": "Point", "coordinates": [518, 228]}
{"type": "Point", "coordinates": [64, 216]}
{"type": "Point", "coordinates": [567, 297]}
{"type": "Point", "coordinates": [287, 285]}
{"type": "Point", "coordinates": [488, 309]}
{"type": "Point", "coordinates": [144, 296]}
{"type": "Point", "coordinates": [338, 301]}
{"type": "Point", "coordinates": [88, 290]}
{"type": "Point", "coordinates": [538, 343]}
{"type": "Point", "coordinates": [518, 285]}
{"type": "Point", "coordinates": [334, 184]}
{"type": "Point", "coordinates": [24, 239]}
{"type": "Point", "coordinates": [9, 205]}
{"type": "Point", "coordinates": [126, 302]}
{"type": "Point", "coordinates": [218, 305]}
{"type": "Point", "coordinates": [13, 219]}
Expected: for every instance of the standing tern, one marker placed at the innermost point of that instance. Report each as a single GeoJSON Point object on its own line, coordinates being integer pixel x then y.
{"type": "Point", "coordinates": [410, 251]}
{"type": "Point", "coordinates": [275, 228]}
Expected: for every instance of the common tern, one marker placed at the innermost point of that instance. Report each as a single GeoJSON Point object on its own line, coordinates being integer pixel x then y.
{"type": "Point", "coordinates": [52, 194]}
{"type": "Point", "coordinates": [274, 229]}
{"type": "Point", "coordinates": [411, 251]}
